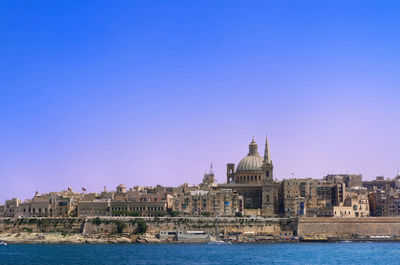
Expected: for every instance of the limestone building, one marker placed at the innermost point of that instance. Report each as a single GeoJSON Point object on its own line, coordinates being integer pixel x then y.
{"type": "Point", "coordinates": [310, 197]}
{"type": "Point", "coordinates": [351, 180]}
{"type": "Point", "coordinates": [191, 200]}
{"type": "Point", "coordinates": [11, 207]}
{"type": "Point", "coordinates": [2, 208]}
{"type": "Point", "coordinates": [253, 180]}
{"type": "Point", "coordinates": [355, 204]}
{"type": "Point", "coordinates": [98, 207]}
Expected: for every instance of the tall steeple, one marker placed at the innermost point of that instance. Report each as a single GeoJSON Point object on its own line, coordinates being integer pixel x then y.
{"type": "Point", "coordinates": [267, 156]}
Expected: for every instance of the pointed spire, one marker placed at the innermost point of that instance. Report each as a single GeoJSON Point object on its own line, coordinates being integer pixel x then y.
{"type": "Point", "coordinates": [267, 156]}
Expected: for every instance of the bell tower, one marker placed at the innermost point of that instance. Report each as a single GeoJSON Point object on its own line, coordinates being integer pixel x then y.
{"type": "Point", "coordinates": [230, 172]}
{"type": "Point", "coordinates": [268, 189]}
{"type": "Point", "coordinates": [267, 165]}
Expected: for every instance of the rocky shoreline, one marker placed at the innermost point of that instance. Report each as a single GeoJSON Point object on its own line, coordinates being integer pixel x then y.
{"type": "Point", "coordinates": [59, 238]}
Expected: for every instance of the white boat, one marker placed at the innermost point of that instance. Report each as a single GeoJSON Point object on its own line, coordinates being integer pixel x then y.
{"type": "Point", "coordinates": [3, 243]}
{"type": "Point", "coordinates": [219, 242]}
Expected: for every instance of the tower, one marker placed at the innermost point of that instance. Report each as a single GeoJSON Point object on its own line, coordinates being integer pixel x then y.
{"type": "Point", "coordinates": [208, 179]}
{"type": "Point", "coordinates": [230, 172]}
{"type": "Point", "coordinates": [268, 189]}
{"type": "Point", "coordinates": [267, 165]}
{"type": "Point", "coordinates": [267, 156]}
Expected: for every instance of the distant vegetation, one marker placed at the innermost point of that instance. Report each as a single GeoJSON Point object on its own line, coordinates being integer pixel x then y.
{"type": "Point", "coordinates": [161, 214]}
{"type": "Point", "coordinates": [125, 213]}
{"type": "Point", "coordinates": [96, 221]}
{"type": "Point", "coordinates": [120, 226]}
{"type": "Point", "coordinates": [174, 213]}
{"type": "Point", "coordinates": [142, 227]}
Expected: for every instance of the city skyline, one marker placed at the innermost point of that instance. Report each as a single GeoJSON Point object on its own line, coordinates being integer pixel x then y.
{"type": "Point", "coordinates": [95, 94]}
{"type": "Point", "coordinates": [210, 170]}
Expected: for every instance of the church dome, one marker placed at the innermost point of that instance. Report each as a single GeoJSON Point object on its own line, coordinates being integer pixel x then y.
{"type": "Point", "coordinates": [252, 162]}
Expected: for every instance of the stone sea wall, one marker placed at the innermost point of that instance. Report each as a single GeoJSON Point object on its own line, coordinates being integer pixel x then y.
{"type": "Point", "coordinates": [369, 226]}
{"type": "Point", "coordinates": [113, 226]}
{"type": "Point", "coordinates": [129, 225]}
{"type": "Point", "coordinates": [209, 225]}
{"type": "Point", "coordinates": [41, 225]}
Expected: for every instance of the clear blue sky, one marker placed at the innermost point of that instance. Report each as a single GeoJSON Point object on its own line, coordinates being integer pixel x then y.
{"type": "Point", "coordinates": [96, 93]}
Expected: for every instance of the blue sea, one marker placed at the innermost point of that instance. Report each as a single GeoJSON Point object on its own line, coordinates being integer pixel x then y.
{"type": "Point", "coordinates": [301, 253]}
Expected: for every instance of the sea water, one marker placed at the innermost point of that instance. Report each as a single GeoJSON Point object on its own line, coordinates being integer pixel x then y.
{"type": "Point", "coordinates": [280, 253]}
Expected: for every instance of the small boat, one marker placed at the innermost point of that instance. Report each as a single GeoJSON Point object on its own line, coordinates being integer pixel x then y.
{"type": "Point", "coordinates": [346, 241]}
{"type": "Point", "coordinates": [3, 243]}
{"type": "Point", "coordinates": [219, 242]}
{"type": "Point", "coordinates": [314, 239]}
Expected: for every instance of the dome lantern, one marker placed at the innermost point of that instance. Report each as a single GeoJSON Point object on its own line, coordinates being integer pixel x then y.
{"type": "Point", "coordinates": [253, 161]}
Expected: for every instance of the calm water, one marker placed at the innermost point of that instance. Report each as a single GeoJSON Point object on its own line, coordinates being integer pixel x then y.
{"type": "Point", "coordinates": [311, 253]}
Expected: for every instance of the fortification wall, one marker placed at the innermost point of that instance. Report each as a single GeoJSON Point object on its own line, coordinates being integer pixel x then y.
{"type": "Point", "coordinates": [371, 226]}
{"type": "Point", "coordinates": [385, 226]}
{"type": "Point", "coordinates": [114, 225]}
{"type": "Point", "coordinates": [37, 224]}
{"type": "Point", "coordinates": [208, 225]}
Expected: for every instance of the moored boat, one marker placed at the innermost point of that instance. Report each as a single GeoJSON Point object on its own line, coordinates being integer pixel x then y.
{"type": "Point", "coordinates": [314, 239]}
{"type": "Point", "coordinates": [219, 242]}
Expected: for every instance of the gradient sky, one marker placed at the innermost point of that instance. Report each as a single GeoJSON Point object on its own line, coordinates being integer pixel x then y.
{"type": "Point", "coordinates": [95, 93]}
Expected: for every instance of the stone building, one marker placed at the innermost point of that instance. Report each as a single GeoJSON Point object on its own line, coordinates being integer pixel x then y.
{"type": "Point", "coordinates": [354, 205]}
{"type": "Point", "coordinates": [253, 180]}
{"type": "Point", "coordinates": [120, 194]}
{"type": "Point", "coordinates": [385, 203]}
{"type": "Point", "coordinates": [2, 208]}
{"type": "Point", "coordinates": [53, 204]}
{"type": "Point", "coordinates": [94, 208]}
{"type": "Point", "coordinates": [380, 183]}
{"type": "Point", "coordinates": [351, 180]}
{"type": "Point", "coordinates": [225, 202]}
{"type": "Point", "coordinates": [145, 202]}
{"type": "Point", "coordinates": [309, 197]}
{"type": "Point", "coordinates": [24, 209]}
{"type": "Point", "coordinates": [142, 208]}
{"type": "Point", "coordinates": [39, 206]}
{"type": "Point", "coordinates": [63, 206]}
{"type": "Point", "coordinates": [192, 200]}
{"type": "Point", "coordinates": [209, 178]}
{"type": "Point", "coordinates": [11, 207]}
